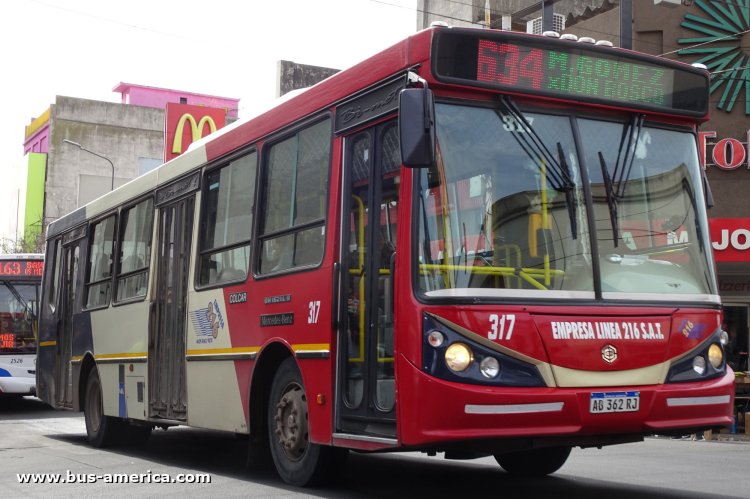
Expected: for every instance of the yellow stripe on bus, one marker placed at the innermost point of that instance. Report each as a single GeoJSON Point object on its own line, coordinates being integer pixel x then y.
{"type": "Point", "coordinates": [221, 351]}
{"type": "Point", "coordinates": [312, 346]}
{"type": "Point", "coordinates": [207, 351]}
{"type": "Point", "coordinates": [103, 356]}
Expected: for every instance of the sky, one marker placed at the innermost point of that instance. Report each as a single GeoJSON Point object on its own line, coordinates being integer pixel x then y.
{"type": "Point", "coordinates": [227, 48]}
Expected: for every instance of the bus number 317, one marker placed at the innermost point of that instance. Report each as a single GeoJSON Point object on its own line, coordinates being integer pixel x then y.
{"type": "Point", "coordinates": [501, 326]}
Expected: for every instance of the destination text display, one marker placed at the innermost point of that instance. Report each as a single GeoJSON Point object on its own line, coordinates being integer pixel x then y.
{"type": "Point", "coordinates": [21, 268]}
{"type": "Point", "coordinates": [566, 70]}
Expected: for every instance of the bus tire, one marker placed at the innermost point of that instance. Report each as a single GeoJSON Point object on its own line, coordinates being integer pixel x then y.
{"type": "Point", "coordinates": [298, 461]}
{"type": "Point", "coordinates": [534, 462]}
{"type": "Point", "coordinates": [102, 430]}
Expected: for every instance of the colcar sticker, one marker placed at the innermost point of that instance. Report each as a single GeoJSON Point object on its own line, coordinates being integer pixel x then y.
{"type": "Point", "coordinates": [237, 298]}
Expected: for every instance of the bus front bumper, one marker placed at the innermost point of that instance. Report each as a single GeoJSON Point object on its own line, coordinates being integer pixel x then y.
{"type": "Point", "coordinates": [10, 385]}
{"type": "Point", "coordinates": [443, 411]}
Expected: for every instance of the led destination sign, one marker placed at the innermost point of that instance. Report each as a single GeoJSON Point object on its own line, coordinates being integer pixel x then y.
{"type": "Point", "coordinates": [21, 268]}
{"type": "Point", "coordinates": [567, 70]}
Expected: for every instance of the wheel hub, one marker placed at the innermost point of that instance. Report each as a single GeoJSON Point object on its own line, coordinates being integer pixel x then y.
{"type": "Point", "coordinates": [290, 422]}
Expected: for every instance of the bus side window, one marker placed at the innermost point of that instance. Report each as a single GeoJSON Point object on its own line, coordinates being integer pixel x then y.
{"type": "Point", "coordinates": [227, 217]}
{"type": "Point", "coordinates": [309, 247]}
{"type": "Point", "coordinates": [100, 263]}
{"type": "Point", "coordinates": [295, 197]}
{"type": "Point", "coordinates": [54, 282]}
{"type": "Point", "coordinates": [135, 250]}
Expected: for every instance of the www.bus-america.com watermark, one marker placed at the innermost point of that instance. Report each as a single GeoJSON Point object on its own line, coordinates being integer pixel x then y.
{"type": "Point", "coordinates": [147, 477]}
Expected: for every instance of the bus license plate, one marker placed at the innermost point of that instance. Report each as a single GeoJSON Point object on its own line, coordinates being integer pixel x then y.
{"type": "Point", "coordinates": [601, 402]}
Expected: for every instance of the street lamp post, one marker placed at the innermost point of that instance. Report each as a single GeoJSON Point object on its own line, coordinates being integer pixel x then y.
{"type": "Point", "coordinates": [79, 146]}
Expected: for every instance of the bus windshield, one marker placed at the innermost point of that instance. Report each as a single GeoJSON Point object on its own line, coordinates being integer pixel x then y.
{"type": "Point", "coordinates": [504, 211]}
{"type": "Point", "coordinates": [18, 317]}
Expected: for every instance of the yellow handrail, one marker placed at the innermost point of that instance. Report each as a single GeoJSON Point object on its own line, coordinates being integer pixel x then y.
{"type": "Point", "coordinates": [527, 274]}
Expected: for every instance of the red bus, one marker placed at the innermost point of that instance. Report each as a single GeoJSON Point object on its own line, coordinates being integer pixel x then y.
{"type": "Point", "coordinates": [474, 242]}
{"type": "Point", "coordinates": [20, 280]}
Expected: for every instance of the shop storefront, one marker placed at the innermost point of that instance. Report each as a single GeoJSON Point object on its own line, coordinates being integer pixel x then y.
{"type": "Point", "coordinates": [730, 238]}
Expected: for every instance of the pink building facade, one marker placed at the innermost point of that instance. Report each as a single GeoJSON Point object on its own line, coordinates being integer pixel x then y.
{"type": "Point", "coordinates": [141, 95]}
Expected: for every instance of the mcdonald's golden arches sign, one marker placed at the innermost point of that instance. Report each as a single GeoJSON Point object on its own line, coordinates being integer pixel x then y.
{"type": "Point", "coordinates": [187, 123]}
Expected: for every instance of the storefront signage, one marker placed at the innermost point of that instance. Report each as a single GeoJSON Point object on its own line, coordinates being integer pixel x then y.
{"type": "Point", "coordinates": [184, 124]}
{"type": "Point", "coordinates": [724, 154]}
{"type": "Point", "coordinates": [730, 239]}
{"type": "Point", "coordinates": [734, 285]}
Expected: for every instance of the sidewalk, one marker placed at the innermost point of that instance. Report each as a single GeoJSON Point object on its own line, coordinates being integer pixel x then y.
{"type": "Point", "coordinates": [709, 436]}
{"type": "Point", "coordinates": [730, 437]}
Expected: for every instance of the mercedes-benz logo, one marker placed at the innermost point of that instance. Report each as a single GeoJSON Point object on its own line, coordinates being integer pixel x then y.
{"type": "Point", "coordinates": [609, 353]}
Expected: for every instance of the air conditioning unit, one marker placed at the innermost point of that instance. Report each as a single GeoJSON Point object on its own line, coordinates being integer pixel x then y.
{"type": "Point", "coordinates": [535, 25]}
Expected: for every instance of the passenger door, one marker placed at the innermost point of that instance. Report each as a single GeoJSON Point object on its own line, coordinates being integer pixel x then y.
{"type": "Point", "coordinates": [65, 310]}
{"type": "Point", "coordinates": [366, 391]}
{"type": "Point", "coordinates": [166, 349]}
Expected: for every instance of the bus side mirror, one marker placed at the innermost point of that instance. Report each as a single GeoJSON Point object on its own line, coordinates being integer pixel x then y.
{"type": "Point", "coordinates": [416, 126]}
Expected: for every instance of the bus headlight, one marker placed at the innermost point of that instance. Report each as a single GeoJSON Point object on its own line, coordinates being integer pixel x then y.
{"type": "Point", "coordinates": [489, 367]}
{"type": "Point", "coordinates": [705, 361]}
{"type": "Point", "coordinates": [724, 338]}
{"type": "Point", "coordinates": [715, 355]}
{"type": "Point", "coordinates": [435, 339]}
{"type": "Point", "coordinates": [699, 364]}
{"type": "Point", "coordinates": [458, 357]}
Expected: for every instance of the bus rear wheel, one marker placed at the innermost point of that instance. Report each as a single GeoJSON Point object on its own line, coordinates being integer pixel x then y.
{"type": "Point", "coordinates": [298, 461]}
{"type": "Point", "coordinates": [101, 430]}
{"type": "Point", "coordinates": [534, 462]}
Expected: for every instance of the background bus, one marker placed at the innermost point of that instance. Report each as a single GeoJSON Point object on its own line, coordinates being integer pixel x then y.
{"type": "Point", "coordinates": [20, 282]}
{"type": "Point", "coordinates": [475, 242]}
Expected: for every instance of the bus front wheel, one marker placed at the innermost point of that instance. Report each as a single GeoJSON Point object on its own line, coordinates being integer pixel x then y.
{"type": "Point", "coordinates": [298, 461]}
{"type": "Point", "coordinates": [101, 430]}
{"type": "Point", "coordinates": [534, 462]}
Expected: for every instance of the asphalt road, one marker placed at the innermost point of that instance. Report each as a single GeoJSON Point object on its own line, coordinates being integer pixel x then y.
{"type": "Point", "coordinates": [37, 439]}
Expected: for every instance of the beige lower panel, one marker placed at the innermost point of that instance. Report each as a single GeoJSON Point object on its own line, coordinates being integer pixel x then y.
{"type": "Point", "coordinates": [214, 399]}
{"type": "Point", "coordinates": [573, 378]}
{"type": "Point", "coordinates": [109, 375]}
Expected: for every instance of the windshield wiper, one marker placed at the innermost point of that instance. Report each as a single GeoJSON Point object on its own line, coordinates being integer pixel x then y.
{"type": "Point", "coordinates": [611, 199]}
{"type": "Point", "coordinates": [562, 180]}
{"type": "Point", "coordinates": [615, 185]}
{"type": "Point", "coordinates": [535, 146]}
{"type": "Point", "coordinates": [633, 132]}
{"type": "Point", "coordinates": [568, 188]}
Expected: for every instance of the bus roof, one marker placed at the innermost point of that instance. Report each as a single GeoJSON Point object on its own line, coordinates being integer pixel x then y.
{"type": "Point", "coordinates": [406, 54]}
{"type": "Point", "coordinates": [22, 256]}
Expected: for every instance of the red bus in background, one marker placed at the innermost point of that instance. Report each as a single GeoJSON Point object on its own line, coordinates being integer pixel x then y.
{"type": "Point", "coordinates": [20, 280]}
{"type": "Point", "coordinates": [475, 242]}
